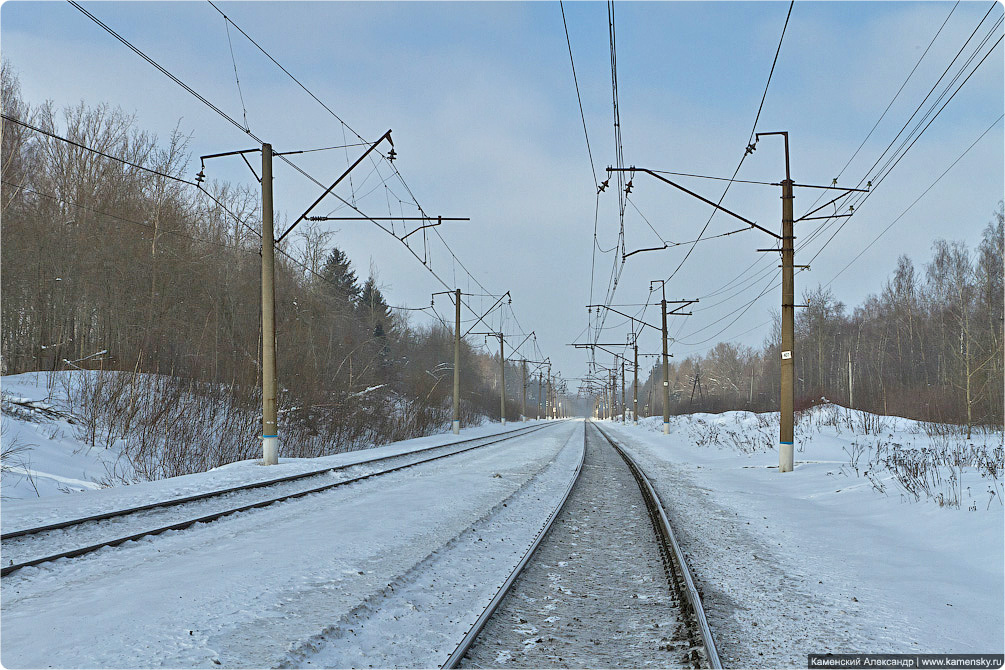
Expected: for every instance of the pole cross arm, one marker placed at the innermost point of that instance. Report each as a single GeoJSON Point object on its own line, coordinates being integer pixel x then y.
{"type": "Point", "coordinates": [385, 136]}
{"type": "Point", "coordinates": [692, 193]}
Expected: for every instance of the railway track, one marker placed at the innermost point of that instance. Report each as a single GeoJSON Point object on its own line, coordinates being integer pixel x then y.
{"type": "Point", "coordinates": [77, 537]}
{"type": "Point", "coordinates": [702, 653]}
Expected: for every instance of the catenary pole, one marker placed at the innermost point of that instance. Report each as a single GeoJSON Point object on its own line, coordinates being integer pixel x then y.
{"type": "Point", "coordinates": [270, 431]}
{"type": "Point", "coordinates": [523, 413]}
{"type": "Point", "coordinates": [666, 373]}
{"type": "Point", "coordinates": [456, 423]}
{"type": "Point", "coordinates": [502, 382]}
{"type": "Point", "coordinates": [635, 387]}
{"type": "Point", "coordinates": [785, 439]}
{"type": "Point", "coordinates": [540, 399]}
{"type": "Point", "coordinates": [624, 406]}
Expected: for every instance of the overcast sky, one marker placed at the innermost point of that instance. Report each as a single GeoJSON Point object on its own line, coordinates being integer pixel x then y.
{"type": "Point", "coordinates": [486, 125]}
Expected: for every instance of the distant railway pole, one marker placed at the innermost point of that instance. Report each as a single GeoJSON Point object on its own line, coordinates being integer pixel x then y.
{"type": "Point", "coordinates": [786, 419]}
{"type": "Point", "coordinates": [502, 374]}
{"type": "Point", "coordinates": [666, 345]}
{"type": "Point", "coordinates": [523, 411]}
{"type": "Point", "coordinates": [455, 422]}
{"type": "Point", "coordinates": [666, 370]}
{"type": "Point", "coordinates": [635, 386]}
{"type": "Point", "coordinates": [540, 403]}
{"type": "Point", "coordinates": [502, 381]}
{"type": "Point", "coordinates": [624, 406]}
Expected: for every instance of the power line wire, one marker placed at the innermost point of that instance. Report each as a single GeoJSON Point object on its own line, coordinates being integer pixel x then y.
{"type": "Point", "coordinates": [578, 97]}
{"type": "Point", "coordinates": [131, 164]}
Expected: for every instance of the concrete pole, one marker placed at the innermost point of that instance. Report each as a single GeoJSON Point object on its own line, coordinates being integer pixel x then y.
{"type": "Point", "coordinates": [785, 439]}
{"type": "Point", "coordinates": [502, 382]}
{"type": "Point", "coordinates": [666, 373]}
{"type": "Point", "coordinates": [635, 388]}
{"type": "Point", "coordinates": [456, 423]}
{"type": "Point", "coordinates": [624, 405]}
{"type": "Point", "coordinates": [540, 406]}
{"type": "Point", "coordinates": [270, 432]}
{"type": "Point", "coordinates": [550, 402]}
{"type": "Point", "coordinates": [523, 413]}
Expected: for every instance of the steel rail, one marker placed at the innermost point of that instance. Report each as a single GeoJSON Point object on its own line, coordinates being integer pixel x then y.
{"type": "Point", "coordinates": [234, 489]}
{"type": "Point", "coordinates": [462, 648]}
{"type": "Point", "coordinates": [73, 553]}
{"type": "Point", "coordinates": [658, 513]}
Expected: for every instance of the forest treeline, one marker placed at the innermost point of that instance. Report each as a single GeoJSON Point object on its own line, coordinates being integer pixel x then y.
{"type": "Point", "coordinates": [928, 346]}
{"type": "Point", "coordinates": [107, 266]}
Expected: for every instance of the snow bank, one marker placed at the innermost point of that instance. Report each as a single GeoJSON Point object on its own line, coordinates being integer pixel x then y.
{"type": "Point", "coordinates": [847, 553]}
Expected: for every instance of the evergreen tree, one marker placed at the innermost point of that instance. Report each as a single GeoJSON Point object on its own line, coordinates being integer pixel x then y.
{"type": "Point", "coordinates": [374, 309]}
{"type": "Point", "coordinates": [339, 277]}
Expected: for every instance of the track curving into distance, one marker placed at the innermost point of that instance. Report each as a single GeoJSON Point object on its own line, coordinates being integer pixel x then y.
{"type": "Point", "coordinates": [592, 530]}
{"type": "Point", "coordinates": [674, 561]}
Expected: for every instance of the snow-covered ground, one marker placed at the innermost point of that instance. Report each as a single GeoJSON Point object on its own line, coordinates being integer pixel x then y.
{"type": "Point", "coordinates": [50, 458]}
{"type": "Point", "coordinates": [43, 450]}
{"type": "Point", "coordinates": [300, 580]}
{"type": "Point", "coordinates": [828, 558]}
{"type": "Point", "coordinates": [889, 536]}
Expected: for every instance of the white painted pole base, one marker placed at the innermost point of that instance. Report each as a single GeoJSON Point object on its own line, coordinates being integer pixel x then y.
{"type": "Point", "coordinates": [785, 457]}
{"type": "Point", "coordinates": [270, 450]}
{"type": "Point", "coordinates": [666, 427]}
{"type": "Point", "coordinates": [456, 427]}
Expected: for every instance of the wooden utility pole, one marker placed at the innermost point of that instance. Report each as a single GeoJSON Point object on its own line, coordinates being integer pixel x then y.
{"type": "Point", "coordinates": [456, 423]}
{"type": "Point", "coordinates": [270, 431]}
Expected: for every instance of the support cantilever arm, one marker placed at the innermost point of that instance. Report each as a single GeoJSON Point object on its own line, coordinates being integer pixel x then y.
{"type": "Point", "coordinates": [479, 319]}
{"type": "Point", "coordinates": [439, 220]}
{"type": "Point", "coordinates": [385, 136]}
{"type": "Point", "coordinates": [517, 347]}
{"type": "Point", "coordinates": [829, 202]}
{"type": "Point", "coordinates": [639, 251]}
{"type": "Point", "coordinates": [627, 316]}
{"type": "Point", "coordinates": [703, 199]}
